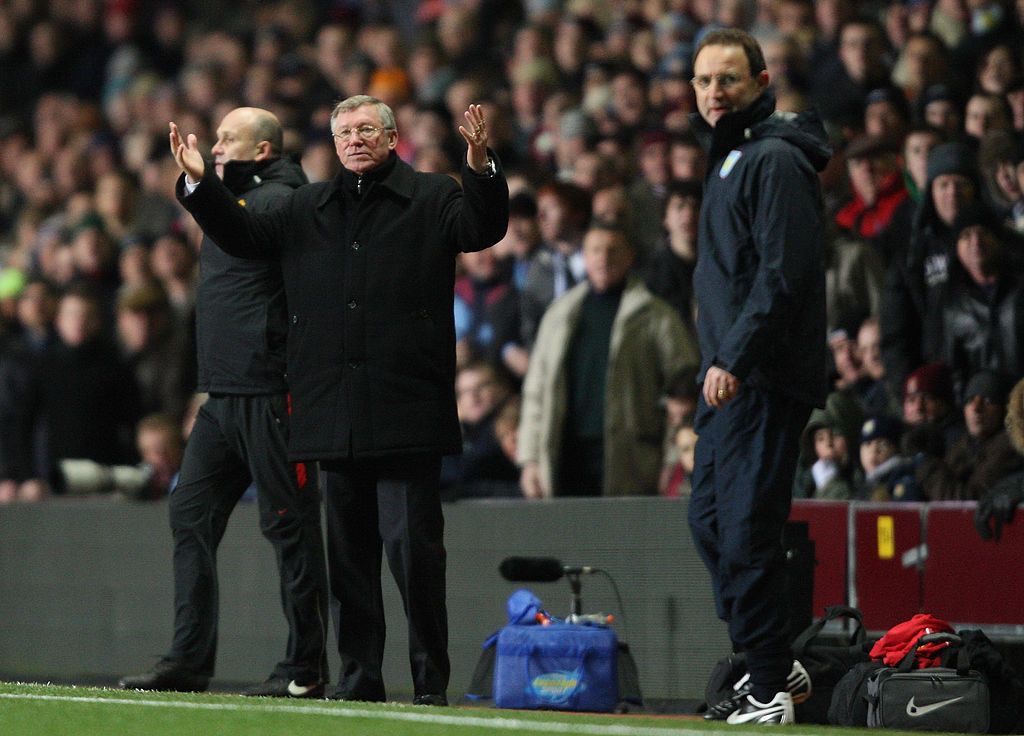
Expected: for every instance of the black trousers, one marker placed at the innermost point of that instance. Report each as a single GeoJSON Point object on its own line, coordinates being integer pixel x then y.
{"type": "Point", "coordinates": [237, 440]}
{"type": "Point", "coordinates": [388, 506]}
{"type": "Point", "coordinates": [743, 471]}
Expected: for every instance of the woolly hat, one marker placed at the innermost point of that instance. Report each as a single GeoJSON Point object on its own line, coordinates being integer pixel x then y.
{"type": "Point", "coordinates": [882, 426]}
{"type": "Point", "coordinates": [953, 158]}
{"type": "Point", "coordinates": [987, 384]}
{"type": "Point", "coordinates": [933, 378]}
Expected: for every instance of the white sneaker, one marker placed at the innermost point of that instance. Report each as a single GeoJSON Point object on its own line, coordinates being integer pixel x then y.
{"type": "Point", "coordinates": [778, 710]}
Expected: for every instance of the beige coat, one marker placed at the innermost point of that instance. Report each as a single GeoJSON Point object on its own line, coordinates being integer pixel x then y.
{"type": "Point", "coordinates": [649, 344]}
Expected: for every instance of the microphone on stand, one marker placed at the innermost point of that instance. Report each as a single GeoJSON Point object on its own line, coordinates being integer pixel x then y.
{"type": "Point", "coordinates": [539, 569]}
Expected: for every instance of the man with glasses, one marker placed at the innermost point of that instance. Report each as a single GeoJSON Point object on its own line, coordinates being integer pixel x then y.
{"type": "Point", "coordinates": [760, 287]}
{"type": "Point", "coordinates": [369, 270]}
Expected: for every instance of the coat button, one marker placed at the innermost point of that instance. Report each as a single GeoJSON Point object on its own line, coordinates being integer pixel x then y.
{"type": "Point", "coordinates": [295, 319]}
{"type": "Point", "coordinates": [355, 245]}
{"type": "Point", "coordinates": [352, 304]}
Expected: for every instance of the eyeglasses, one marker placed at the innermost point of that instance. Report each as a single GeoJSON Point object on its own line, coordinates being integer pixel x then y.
{"type": "Point", "coordinates": [725, 81]}
{"type": "Point", "coordinates": [366, 132]}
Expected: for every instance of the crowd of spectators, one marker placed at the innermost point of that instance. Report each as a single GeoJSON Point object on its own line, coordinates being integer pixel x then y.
{"type": "Point", "coordinates": [587, 104]}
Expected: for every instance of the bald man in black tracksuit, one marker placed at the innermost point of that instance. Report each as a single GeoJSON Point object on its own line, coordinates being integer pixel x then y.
{"type": "Point", "coordinates": [240, 436]}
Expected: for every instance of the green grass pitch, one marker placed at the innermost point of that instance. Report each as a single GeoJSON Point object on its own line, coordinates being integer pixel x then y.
{"type": "Point", "coordinates": [49, 710]}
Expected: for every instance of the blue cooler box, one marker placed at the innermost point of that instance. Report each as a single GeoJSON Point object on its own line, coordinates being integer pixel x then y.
{"type": "Point", "coordinates": [557, 667]}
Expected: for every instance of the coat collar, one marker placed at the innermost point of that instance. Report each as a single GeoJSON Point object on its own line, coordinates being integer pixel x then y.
{"type": "Point", "coordinates": [394, 175]}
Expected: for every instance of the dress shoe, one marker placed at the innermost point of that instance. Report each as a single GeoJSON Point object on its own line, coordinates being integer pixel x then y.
{"type": "Point", "coordinates": [167, 674]}
{"type": "Point", "coordinates": [431, 699]}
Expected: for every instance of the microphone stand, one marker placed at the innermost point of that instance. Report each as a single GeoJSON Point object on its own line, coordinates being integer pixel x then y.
{"type": "Point", "coordinates": [577, 598]}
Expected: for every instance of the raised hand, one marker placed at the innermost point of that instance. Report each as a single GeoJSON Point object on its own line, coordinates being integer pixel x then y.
{"type": "Point", "coordinates": [186, 154]}
{"type": "Point", "coordinates": [475, 135]}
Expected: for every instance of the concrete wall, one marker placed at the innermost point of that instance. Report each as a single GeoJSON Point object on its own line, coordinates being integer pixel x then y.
{"type": "Point", "coordinates": [86, 590]}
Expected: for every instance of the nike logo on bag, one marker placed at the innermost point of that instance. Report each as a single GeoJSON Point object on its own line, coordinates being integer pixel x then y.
{"type": "Point", "coordinates": [297, 691]}
{"type": "Point", "coordinates": [916, 711]}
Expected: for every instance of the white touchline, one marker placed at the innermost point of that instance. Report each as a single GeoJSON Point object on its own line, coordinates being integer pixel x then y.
{"type": "Point", "coordinates": [500, 724]}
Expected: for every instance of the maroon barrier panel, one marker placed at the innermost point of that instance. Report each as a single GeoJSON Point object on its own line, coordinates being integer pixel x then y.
{"type": "Point", "coordinates": [968, 580]}
{"type": "Point", "coordinates": [827, 528]}
{"type": "Point", "coordinates": [887, 577]}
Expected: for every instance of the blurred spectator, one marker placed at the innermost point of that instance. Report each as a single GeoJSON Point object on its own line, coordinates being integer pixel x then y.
{"type": "Point", "coordinates": [878, 193]}
{"type": "Point", "coordinates": [486, 308]}
{"type": "Point", "coordinates": [669, 271]}
{"type": "Point", "coordinates": [886, 114]}
{"type": "Point", "coordinates": [483, 469]}
{"type": "Point", "coordinates": [888, 476]}
{"type": "Point", "coordinates": [647, 194]}
{"type": "Point", "coordinates": [173, 262]}
{"type": "Point", "coordinates": [986, 112]}
{"type": "Point", "coordinates": [829, 452]}
{"type": "Point", "coordinates": [562, 214]}
{"type": "Point", "coordinates": [684, 442]}
{"type": "Point", "coordinates": [940, 107]}
{"type": "Point", "coordinates": [154, 349]}
{"type": "Point", "coordinates": [928, 404]}
{"type": "Point", "coordinates": [19, 353]}
{"type": "Point", "coordinates": [920, 140]}
{"type": "Point", "coordinates": [875, 397]}
{"type": "Point", "coordinates": [984, 455]}
{"type": "Point", "coordinates": [680, 402]}
{"type": "Point", "coordinates": [911, 314]}
{"type": "Point", "coordinates": [82, 391]}
{"type": "Point", "coordinates": [996, 155]}
{"type": "Point", "coordinates": [591, 423]}
{"type": "Point", "coordinates": [522, 241]}
{"type": "Point", "coordinates": [1016, 218]}
{"type": "Point", "coordinates": [161, 447]}
{"type": "Point", "coordinates": [841, 82]}
{"type": "Point", "coordinates": [983, 311]}
{"type": "Point", "coordinates": [999, 504]}
{"type": "Point", "coordinates": [686, 158]}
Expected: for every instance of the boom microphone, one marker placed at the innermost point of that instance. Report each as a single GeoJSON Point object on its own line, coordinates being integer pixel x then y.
{"type": "Point", "coordinates": [538, 569]}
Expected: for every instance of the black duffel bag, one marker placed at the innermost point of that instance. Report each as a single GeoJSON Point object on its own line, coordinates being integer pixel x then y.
{"type": "Point", "coordinates": [929, 699]}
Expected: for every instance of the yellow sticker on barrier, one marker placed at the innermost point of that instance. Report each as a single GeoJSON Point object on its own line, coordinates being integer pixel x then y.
{"type": "Point", "coordinates": [886, 538]}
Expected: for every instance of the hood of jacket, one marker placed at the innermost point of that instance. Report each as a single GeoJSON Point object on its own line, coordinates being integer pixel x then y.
{"type": "Point", "coordinates": [241, 176]}
{"type": "Point", "coordinates": [761, 120]}
{"type": "Point", "coordinates": [842, 415]}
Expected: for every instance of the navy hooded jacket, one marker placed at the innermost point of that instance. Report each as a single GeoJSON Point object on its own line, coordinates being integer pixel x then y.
{"type": "Point", "coordinates": [760, 278]}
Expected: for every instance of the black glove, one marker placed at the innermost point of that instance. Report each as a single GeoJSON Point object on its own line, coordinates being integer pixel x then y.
{"type": "Point", "coordinates": [998, 506]}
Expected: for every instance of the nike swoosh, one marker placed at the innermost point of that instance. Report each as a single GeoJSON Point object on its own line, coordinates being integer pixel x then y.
{"type": "Point", "coordinates": [916, 711]}
{"type": "Point", "coordinates": [297, 691]}
{"type": "Point", "coordinates": [755, 716]}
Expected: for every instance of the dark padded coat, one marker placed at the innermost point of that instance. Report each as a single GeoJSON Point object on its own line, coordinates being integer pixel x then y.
{"type": "Point", "coordinates": [369, 270]}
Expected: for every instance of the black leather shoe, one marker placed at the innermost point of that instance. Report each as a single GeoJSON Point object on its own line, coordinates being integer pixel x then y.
{"type": "Point", "coordinates": [285, 687]}
{"type": "Point", "coordinates": [166, 675]}
{"type": "Point", "coordinates": [356, 697]}
{"type": "Point", "coordinates": [430, 700]}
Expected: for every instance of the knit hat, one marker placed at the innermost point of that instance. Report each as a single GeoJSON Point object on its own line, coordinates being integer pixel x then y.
{"type": "Point", "coordinates": [881, 426]}
{"type": "Point", "coordinates": [933, 378]}
{"type": "Point", "coordinates": [952, 158]}
{"type": "Point", "coordinates": [987, 384]}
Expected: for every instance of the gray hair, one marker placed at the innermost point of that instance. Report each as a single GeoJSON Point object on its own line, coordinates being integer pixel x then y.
{"type": "Point", "coordinates": [387, 116]}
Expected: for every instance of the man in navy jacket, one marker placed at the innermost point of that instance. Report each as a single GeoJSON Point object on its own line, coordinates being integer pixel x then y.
{"type": "Point", "coordinates": [369, 270]}
{"type": "Point", "coordinates": [760, 289]}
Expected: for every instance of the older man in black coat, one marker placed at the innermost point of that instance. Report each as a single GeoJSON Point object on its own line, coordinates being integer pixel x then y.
{"type": "Point", "coordinates": [369, 266]}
